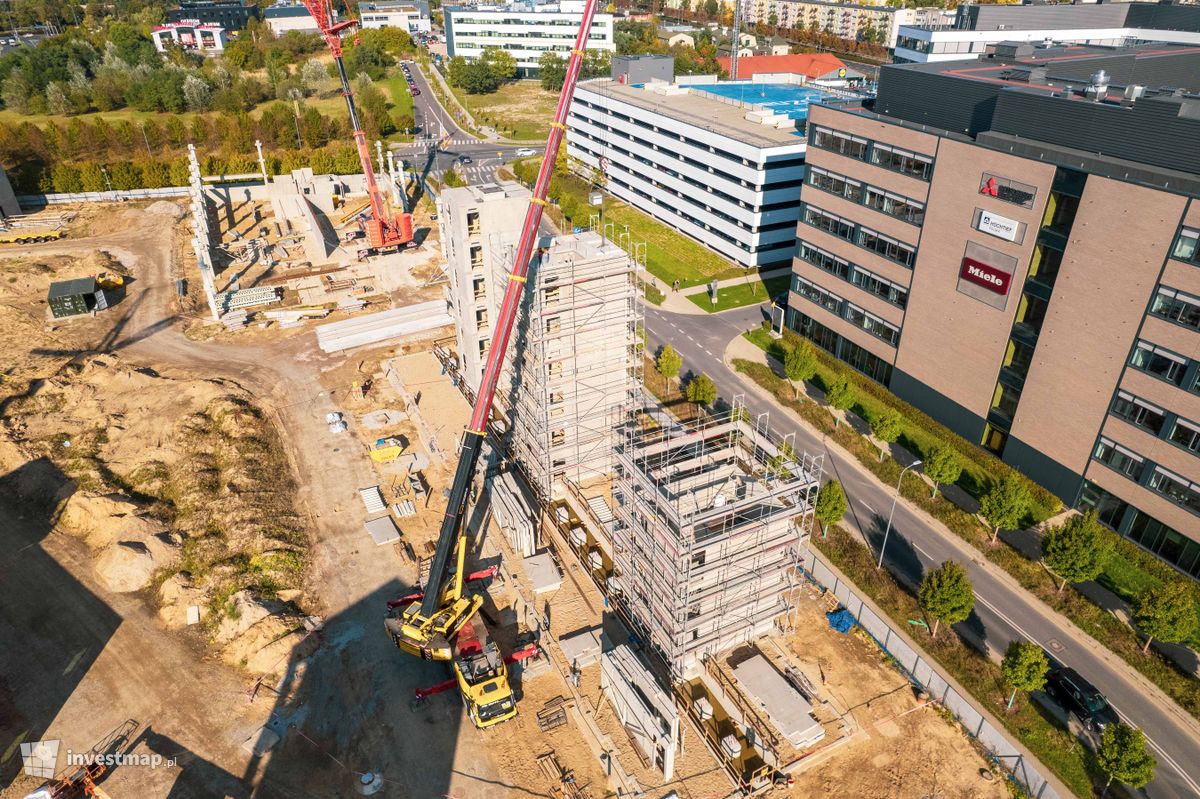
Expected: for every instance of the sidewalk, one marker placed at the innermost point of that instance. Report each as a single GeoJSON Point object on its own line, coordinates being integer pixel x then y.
{"type": "Point", "coordinates": [743, 349]}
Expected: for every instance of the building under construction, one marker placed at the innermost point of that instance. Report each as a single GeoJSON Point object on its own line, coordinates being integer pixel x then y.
{"type": "Point", "coordinates": [706, 538]}
{"type": "Point", "coordinates": [572, 373]}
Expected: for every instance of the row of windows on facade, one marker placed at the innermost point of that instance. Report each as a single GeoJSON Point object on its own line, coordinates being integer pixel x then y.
{"type": "Point", "coordinates": [864, 361]}
{"type": "Point", "coordinates": [847, 310]}
{"type": "Point", "coordinates": [854, 274]}
{"type": "Point", "coordinates": [1178, 489]}
{"type": "Point", "coordinates": [886, 156]}
{"type": "Point", "coordinates": [605, 110]}
{"type": "Point", "coordinates": [1153, 419]}
{"type": "Point", "coordinates": [610, 147]}
{"type": "Point", "coordinates": [855, 191]}
{"type": "Point", "coordinates": [1156, 537]}
{"type": "Point", "coordinates": [455, 19]}
{"type": "Point", "coordinates": [864, 237]}
{"type": "Point", "coordinates": [1165, 365]}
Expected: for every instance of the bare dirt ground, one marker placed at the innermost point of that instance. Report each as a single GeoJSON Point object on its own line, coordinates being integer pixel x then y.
{"type": "Point", "coordinates": [343, 709]}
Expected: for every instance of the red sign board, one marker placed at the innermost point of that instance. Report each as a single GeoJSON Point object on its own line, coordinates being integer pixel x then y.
{"type": "Point", "coordinates": [981, 274]}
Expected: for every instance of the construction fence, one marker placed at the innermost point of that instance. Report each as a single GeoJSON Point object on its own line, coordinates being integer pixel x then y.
{"type": "Point", "coordinates": [922, 672]}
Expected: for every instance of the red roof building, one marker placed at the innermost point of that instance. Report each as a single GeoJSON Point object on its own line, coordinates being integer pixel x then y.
{"type": "Point", "coordinates": [814, 66]}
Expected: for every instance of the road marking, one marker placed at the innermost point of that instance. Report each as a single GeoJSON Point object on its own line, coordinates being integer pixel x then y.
{"type": "Point", "coordinates": [707, 352]}
{"type": "Point", "coordinates": [865, 505]}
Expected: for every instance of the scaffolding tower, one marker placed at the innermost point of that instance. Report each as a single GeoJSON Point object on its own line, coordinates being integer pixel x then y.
{"type": "Point", "coordinates": [709, 523]}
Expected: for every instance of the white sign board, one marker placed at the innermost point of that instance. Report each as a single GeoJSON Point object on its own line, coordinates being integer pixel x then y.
{"type": "Point", "coordinates": [1001, 226]}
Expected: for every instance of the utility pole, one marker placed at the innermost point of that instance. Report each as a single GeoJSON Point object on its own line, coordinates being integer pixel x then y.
{"type": "Point", "coordinates": [736, 39]}
{"type": "Point", "coordinates": [261, 163]}
{"type": "Point", "coordinates": [146, 140]}
{"type": "Point", "coordinates": [891, 513]}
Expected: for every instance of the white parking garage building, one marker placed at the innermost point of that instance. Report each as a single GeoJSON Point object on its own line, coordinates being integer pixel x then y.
{"type": "Point", "coordinates": [721, 162]}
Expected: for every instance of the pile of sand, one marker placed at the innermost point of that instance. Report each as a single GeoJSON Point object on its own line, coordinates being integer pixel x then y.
{"type": "Point", "coordinates": [258, 635]}
{"type": "Point", "coordinates": [132, 546]}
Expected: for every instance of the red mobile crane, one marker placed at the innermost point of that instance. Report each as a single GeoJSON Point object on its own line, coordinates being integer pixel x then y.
{"type": "Point", "coordinates": [428, 626]}
{"type": "Point", "coordinates": [383, 230]}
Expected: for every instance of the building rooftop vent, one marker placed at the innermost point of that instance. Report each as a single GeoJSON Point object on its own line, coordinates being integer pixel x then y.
{"type": "Point", "coordinates": [1097, 90]}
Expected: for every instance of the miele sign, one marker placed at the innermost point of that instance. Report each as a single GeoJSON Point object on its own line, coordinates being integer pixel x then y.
{"type": "Point", "coordinates": [1000, 226]}
{"type": "Point", "coordinates": [981, 274]}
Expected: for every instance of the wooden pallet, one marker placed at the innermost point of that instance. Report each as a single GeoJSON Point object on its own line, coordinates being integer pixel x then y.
{"type": "Point", "coordinates": [564, 780]}
{"type": "Point", "coordinates": [552, 715]}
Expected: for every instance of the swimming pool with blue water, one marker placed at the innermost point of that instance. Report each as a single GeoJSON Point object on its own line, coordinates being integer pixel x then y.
{"type": "Point", "coordinates": [783, 98]}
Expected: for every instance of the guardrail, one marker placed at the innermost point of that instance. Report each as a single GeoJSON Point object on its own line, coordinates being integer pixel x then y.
{"type": "Point", "coordinates": [921, 671]}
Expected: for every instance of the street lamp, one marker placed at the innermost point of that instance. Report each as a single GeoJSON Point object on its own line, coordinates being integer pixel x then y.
{"type": "Point", "coordinates": [892, 513]}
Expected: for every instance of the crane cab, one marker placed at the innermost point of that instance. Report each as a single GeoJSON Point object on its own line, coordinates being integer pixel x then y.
{"type": "Point", "coordinates": [483, 677]}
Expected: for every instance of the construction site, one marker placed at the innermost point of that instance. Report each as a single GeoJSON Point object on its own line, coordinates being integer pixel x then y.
{"type": "Point", "coordinates": [349, 485]}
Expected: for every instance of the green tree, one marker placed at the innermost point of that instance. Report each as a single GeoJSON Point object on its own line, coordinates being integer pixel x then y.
{"type": "Point", "coordinates": [701, 390]}
{"type": "Point", "coordinates": [124, 176]}
{"type": "Point", "coordinates": [840, 395]}
{"type": "Point", "coordinates": [711, 7]}
{"type": "Point", "coordinates": [946, 595]}
{"type": "Point", "coordinates": [1123, 757]}
{"type": "Point", "coordinates": [552, 71]}
{"type": "Point", "coordinates": [92, 177]}
{"type": "Point", "coordinates": [1005, 505]}
{"type": "Point", "coordinates": [942, 465]}
{"type": "Point", "coordinates": [1024, 668]}
{"type": "Point", "coordinates": [66, 179]}
{"type": "Point", "coordinates": [155, 174]}
{"type": "Point", "coordinates": [455, 68]}
{"type": "Point", "coordinates": [1077, 550]}
{"type": "Point", "coordinates": [1166, 612]}
{"type": "Point", "coordinates": [668, 363]}
{"type": "Point", "coordinates": [500, 62]}
{"type": "Point", "coordinates": [452, 179]}
{"type": "Point", "coordinates": [800, 364]}
{"type": "Point", "coordinates": [887, 427]}
{"type": "Point", "coordinates": [478, 78]}
{"type": "Point", "coordinates": [831, 505]}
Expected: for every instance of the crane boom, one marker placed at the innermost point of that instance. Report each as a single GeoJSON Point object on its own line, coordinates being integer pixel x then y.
{"type": "Point", "coordinates": [442, 610]}
{"type": "Point", "coordinates": [382, 230]}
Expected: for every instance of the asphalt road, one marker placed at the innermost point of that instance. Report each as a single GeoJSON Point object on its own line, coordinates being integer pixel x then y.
{"type": "Point", "coordinates": [440, 142]}
{"type": "Point", "coordinates": [1003, 612]}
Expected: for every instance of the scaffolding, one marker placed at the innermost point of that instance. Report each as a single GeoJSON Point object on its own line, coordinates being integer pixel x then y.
{"type": "Point", "coordinates": [574, 377]}
{"type": "Point", "coordinates": [710, 520]}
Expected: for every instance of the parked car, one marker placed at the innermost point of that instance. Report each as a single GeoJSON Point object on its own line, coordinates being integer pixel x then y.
{"type": "Point", "coordinates": [416, 92]}
{"type": "Point", "coordinates": [1079, 697]}
{"type": "Point", "coordinates": [525, 151]}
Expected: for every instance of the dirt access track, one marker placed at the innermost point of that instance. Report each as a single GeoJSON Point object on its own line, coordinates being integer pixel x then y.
{"type": "Point", "coordinates": [78, 660]}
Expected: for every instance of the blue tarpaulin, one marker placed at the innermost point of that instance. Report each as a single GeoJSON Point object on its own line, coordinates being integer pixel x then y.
{"type": "Point", "coordinates": [840, 620]}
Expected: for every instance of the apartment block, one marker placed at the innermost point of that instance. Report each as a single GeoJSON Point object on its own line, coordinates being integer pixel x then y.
{"type": "Point", "coordinates": [1012, 248]}
{"type": "Point", "coordinates": [524, 30]}
{"type": "Point", "coordinates": [413, 18]}
{"type": "Point", "coordinates": [707, 526]}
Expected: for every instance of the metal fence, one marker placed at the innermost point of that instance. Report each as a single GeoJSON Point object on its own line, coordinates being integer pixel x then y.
{"type": "Point", "coordinates": [920, 670]}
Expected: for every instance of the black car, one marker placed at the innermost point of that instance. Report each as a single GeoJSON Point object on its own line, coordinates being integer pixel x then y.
{"type": "Point", "coordinates": [465, 159]}
{"type": "Point", "coordinates": [1080, 697]}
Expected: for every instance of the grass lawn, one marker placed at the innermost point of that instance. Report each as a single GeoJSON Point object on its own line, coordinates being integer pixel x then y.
{"type": "Point", "coordinates": [751, 292]}
{"type": "Point", "coordinates": [520, 109]}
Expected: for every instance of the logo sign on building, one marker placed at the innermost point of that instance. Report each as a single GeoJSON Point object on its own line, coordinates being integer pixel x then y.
{"type": "Point", "coordinates": [981, 274]}
{"type": "Point", "coordinates": [1010, 191]}
{"type": "Point", "coordinates": [999, 226]}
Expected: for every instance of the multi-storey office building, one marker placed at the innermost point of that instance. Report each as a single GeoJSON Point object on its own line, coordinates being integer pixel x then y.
{"type": "Point", "coordinates": [524, 30]}
{"type": "Point", "coordinates": [978, 28]}
{"type": "Point", "coordinates": [1012, 247]}
{"type": "Point", "coordinates": [721, 162]}
{"type": "Point", "coordinates": [193, 35]}
{"type": "Point", "coordinates": [232, 15]}
{"type": "Point", "coordinates": [410, 17]}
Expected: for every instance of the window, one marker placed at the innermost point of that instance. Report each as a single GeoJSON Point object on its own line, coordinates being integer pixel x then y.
{"type": "Point", "coordinates": [1186, 434]}
{"type": "Point", "coordinates": [1119, 459]}
{"type": "Point", "coordinates": [872, 324]}
{"type": "Point", "coordinates": [1176, 488]}
{"type": "Point", "coordinates": [893, 293]}
{"type": "Point", "coordinates": [886, 246]}
{"type": "Point", "coordinates": [902, 161]}
{"type": "Point", "coordinates": [1176, 306]}
{"type": "Point", "coordinates": [1045, 264]}
{"type": "Point", "coordinates": [903, 208]}
{"type": "Point", "coordinates": [1031, 312]}
{"type": "Point", "coordinates": [1060, 212]}
{"type": "Point", "coordinates": [1109, 509]}
{"type": "Point", "coordinates": [1162, 363]}
{"type": "Point", "coordinates": [1018, 357]}
{"type": "Point", "coordinates": [1187, 246]}
{"type": "Point", "coordinates": [1137, 412]}
{"type": "Point", "coordinates": [472, 222]}
{"type": "Point", "coordinates": [850, 146]}
{"type": "Point", "coordinates": [823, 260]}
{"type": "Point", "coordinates": [833, 183]}
{"type": "Point", "coordinates": [829, 223]}
{"type": "Point", "coordinates": [818, 295]}
{"type": "Point", "coordinates": [1005, 400]}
